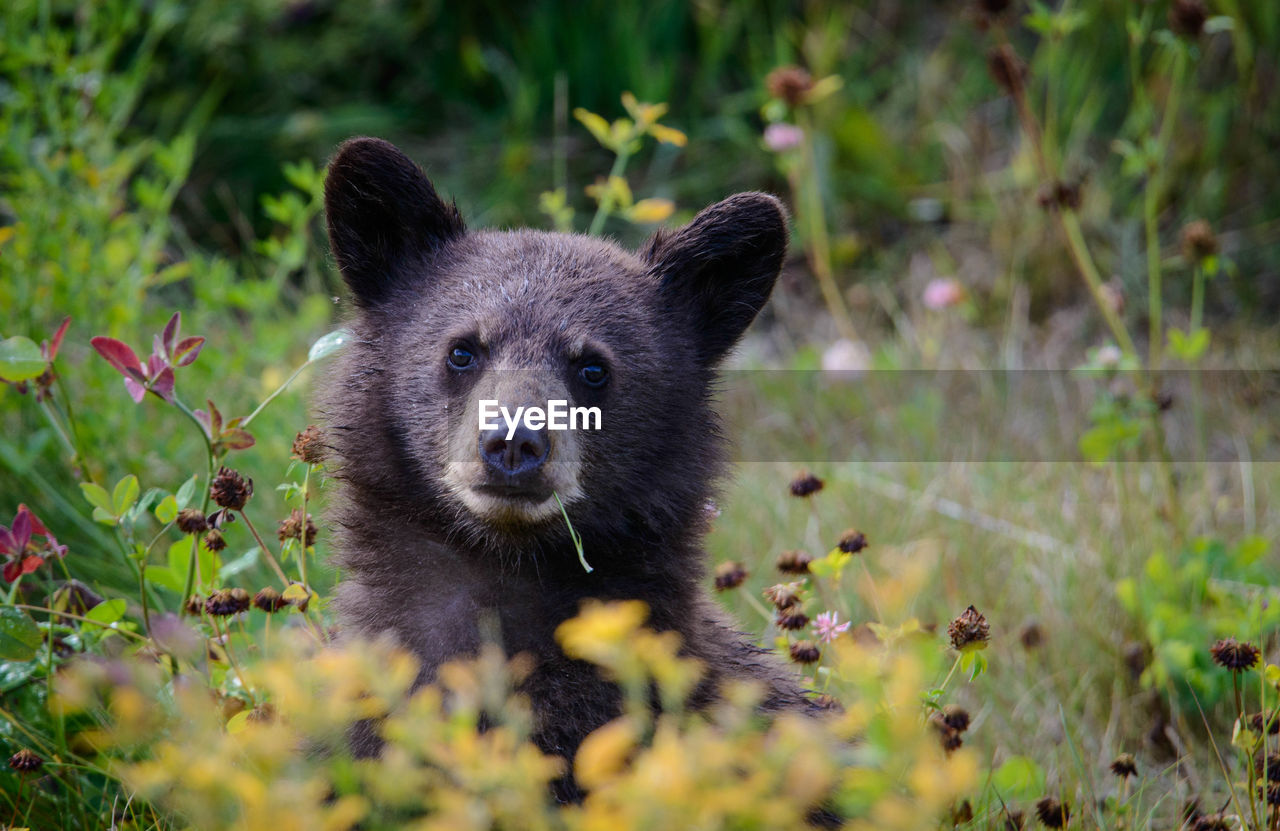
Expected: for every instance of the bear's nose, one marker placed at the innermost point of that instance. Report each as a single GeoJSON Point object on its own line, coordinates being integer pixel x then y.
{"type": "Point", "coordinates": [524, 452]}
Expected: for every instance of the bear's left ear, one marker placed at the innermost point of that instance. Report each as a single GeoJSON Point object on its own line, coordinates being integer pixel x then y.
{"type": "Point", "coordinates": [383, 214]}
{"type": "Point", "coordinates": [721, 267]}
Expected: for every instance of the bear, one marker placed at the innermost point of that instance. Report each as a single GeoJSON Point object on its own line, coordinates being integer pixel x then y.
{"type": "Point", "coordinates": [444, 530]}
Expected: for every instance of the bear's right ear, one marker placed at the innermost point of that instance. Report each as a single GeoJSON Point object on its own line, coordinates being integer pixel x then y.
{"type": "Point", "coordinates": [382, 214]}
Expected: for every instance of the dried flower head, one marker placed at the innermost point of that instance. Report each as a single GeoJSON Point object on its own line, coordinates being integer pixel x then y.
{"type": "Point", "coordinates": [962, 813]}
{"type": "Point", "coordinates": [1006, 68]}
{"type": "Point", "coordinates": [1013, 820]}
{"type": "Point", "coordinates": [805, 652]}
{"type": "Point", "coordinates": [1031, 635]}
{"type": "Point", "coordinates": [25, 761]}
{"type": "Point", "coordinates": [293, 528]}
{"type": "Point", "coordinates": [227, 602]}
{"type": "Point", "coordinates": [1187, 17]}
{"type": "Point", "coordinates": [1211, 822]}
{"type": "Point", "coordinates": [792, 619]}
{"type": "Point", "coordinates": [955, 717]}
{"type": "Point", "coordinates": [805, 484]}
{"type": "Point", "coordinates": [269, 600]}
{"type": "Point", "coordinates": [783, 595]}
{"type": "Point", "coordinates": [851, 541]}
{"type": "Point", "coordinates": [729, 575]}
{"type": "Point", "coordinates": [194, 605]}
{"type": "Point", "coordinates": [1234, 655]}
{"type": "Point", "coordinates": [231, 490]}
{"type": "Point", "coordinates": [214, 541]}
{"type": "Point", "coordinates": [790, 84]}
{"type": "Point", "coordinates": [970, 630]}
{"type": "Point", "coordinates": [794, 562]}
{"type": "Point", "coordinates": [1124, 765]}
{"type": "Point", "coordinates": [1053, 813]}
{"type": "Point", "coordinates": [1268, 722]}
{"type": "Point", "coordinates": [949, 737]}
{"type": "Point", "coordinates": [308, 446]}
{"type": "Point", "coordinates": [1059, 194]}
{"type": "Point", "coordinates": [1198, 241]}
{"type": "Point", "coordinates": [191, 521]}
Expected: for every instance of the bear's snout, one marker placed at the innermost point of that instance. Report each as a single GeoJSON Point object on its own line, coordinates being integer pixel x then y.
{"type": "Point", "coordinates": [517, 457]}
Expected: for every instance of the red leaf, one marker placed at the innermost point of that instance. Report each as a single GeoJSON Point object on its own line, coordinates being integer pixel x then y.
{"type": "Point", "coordinates": [8, 545]}
{"type": "Point", "coordinates": [12, 571]}
{"type": "Point", "coordinates": [237, 439]}
{"type": "Point", "coordinates": [216, 415]}
{"type": "Point", "coordinates": [37, 527]}
{"type": "Point", "coordinates": [203, 418]}
{"type": "Point", "coordinates": [171, 333]}
{"type": "Point", "coordinates": [136, 390]}
{"type": "Point", "coordinates": [31, 563]}
{"type": "Point", "coordinates": [162, 385]}
{"type": "Point", "coordinates": [118, 354]}
{"type": "Point", "coordinates": [187, 350]}
{"type": "Point", "coordinates": [155, 365]}
{"type": "Point", "coordinates": [51, 350]}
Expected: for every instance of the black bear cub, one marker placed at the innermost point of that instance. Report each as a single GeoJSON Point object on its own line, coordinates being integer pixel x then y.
{"type": "Point", "coordinates": [442, 524]}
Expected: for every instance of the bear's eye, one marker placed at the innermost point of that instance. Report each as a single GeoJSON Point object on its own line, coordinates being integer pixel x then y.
{"type": "Point", "coordinates": [594, 375]}
{"type": "Point", "coordinates": [461, 357]}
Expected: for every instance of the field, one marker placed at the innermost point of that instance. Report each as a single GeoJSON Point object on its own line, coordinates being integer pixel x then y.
{"type": "Point", "coordinates": [1010, 413]}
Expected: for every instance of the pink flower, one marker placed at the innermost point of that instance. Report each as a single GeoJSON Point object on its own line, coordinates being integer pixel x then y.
{"type": "Point", "coordinates": [827, 625]}
{"type": "Point", "coordinates": [942, 293]}
{"type": "Point", "coordinates": [781, 136]}
{"type": "Point", "coordinates": [24, 556]}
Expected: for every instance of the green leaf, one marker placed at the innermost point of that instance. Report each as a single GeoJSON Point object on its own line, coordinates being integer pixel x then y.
{"type": "Point", "coordinates": [166, 577]}
{"type": "Point", "coordinates": [108, 611]}
{"type": "Point", "coordinates": [97, 496]}
{"type": "Point", "coordinates": [19, 635]}
{"type": "Point", "coordinates": [1018, 778]}
{"type": "Point", "coordinates": [167, 510]}
{"type": "Point", "coordinates": [187, 492]}
{"type": "Point", "coordinates": [179, 556]}
{"type": "Point", "coordinates": [328, 344]}
{"type": "Point", "coordinates": [105, 517]}
{"type": "Point", "coordinates": [1188, 347]}
{"type": "Point", "coordinates": [244, 562]}
{"type": "Point", "coordinates": [125, 494]}
{"type": "Point", "coordinates": [20, 359]}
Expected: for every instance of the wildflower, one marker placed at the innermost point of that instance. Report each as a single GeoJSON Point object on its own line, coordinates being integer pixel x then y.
{"type": "Point", "coordinates": [730, 574]}
{"type": "Point", "coordinates": [1052, 813]}
{"type": "Point", "coordinates": [22, 554]}
{"type": "Point", "coordinates": [1235, 656]}
{"type": "Point", "coordinates": [308, 446]}
{"type": "Point", "coordinates": [25, 761]}
{"type": "Point", "coordinates": [790, 84]}
{"type": "Point", "coordinates": [227, 602]}
{"type": "Point", "coordinates": [1109, 356]}
{"type": "Point", "coordinates": [792, 619]}
{"type": "Point", "coordinates": [194, 605]}
{"type": "Point", "coordinates": [970, 630]}
{"type": "Point", "coordinates": [231, 490]}
{"type": "Point", "coordinates": [1271, 763]}
{"type": "Point", "coordinates": [805, 484]}
{"type": "Point", "coordinates": [851, 541]}
{"type": "Point", "coordinates": [1198, 241]}
{"type": "Point", "coordinates": [214, 541]}
{"type": "Point", "coordinates": [846, 356]}
{"type": "Point", "coordinates": [191, 521]}
{"type": "Point", "coordinates": [780, 137]}
{"type": "Point", "coordinates": [1006, 68]}
{"type": "Point", "coordinates": [1187, 17]}
{"type": "Point", "coordinates": [1031, 635]}
{"type": "Point", "coordinates": [269, 600]}
{"type": "Point", "coordinates": [1125, 766]}
{"type": "Point", "coordinates": [827, 626]}
{"type": "Point", "coordinates": [1211, 822]}
{"type": "Point", "coordinates": [1013, 820]}
{"type": "Point", "coordinates": [783, 595]}
{"type": "Point", "coordinates": [794, 562]}
{"type": "Point", "coordinates": [293, 529]}
{"type": "Point", "coordinates": [943, 293]}
{"type": "Point", "coordinates": [805, 652]}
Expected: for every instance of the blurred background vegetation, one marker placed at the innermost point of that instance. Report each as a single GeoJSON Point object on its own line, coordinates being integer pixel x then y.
{"type": "Point", "coordinates": [160, 156]}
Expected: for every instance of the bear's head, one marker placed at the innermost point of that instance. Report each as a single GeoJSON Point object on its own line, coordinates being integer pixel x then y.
{"type": "Point", "coordinates": [455, 324]}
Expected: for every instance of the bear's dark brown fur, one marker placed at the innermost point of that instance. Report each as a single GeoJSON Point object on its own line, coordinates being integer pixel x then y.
{"type": "Point", "coordinates": [432, 538]}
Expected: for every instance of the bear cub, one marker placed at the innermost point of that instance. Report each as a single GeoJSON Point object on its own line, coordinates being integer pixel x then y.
{"type": "Point", "coordinates": [445, 531]}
